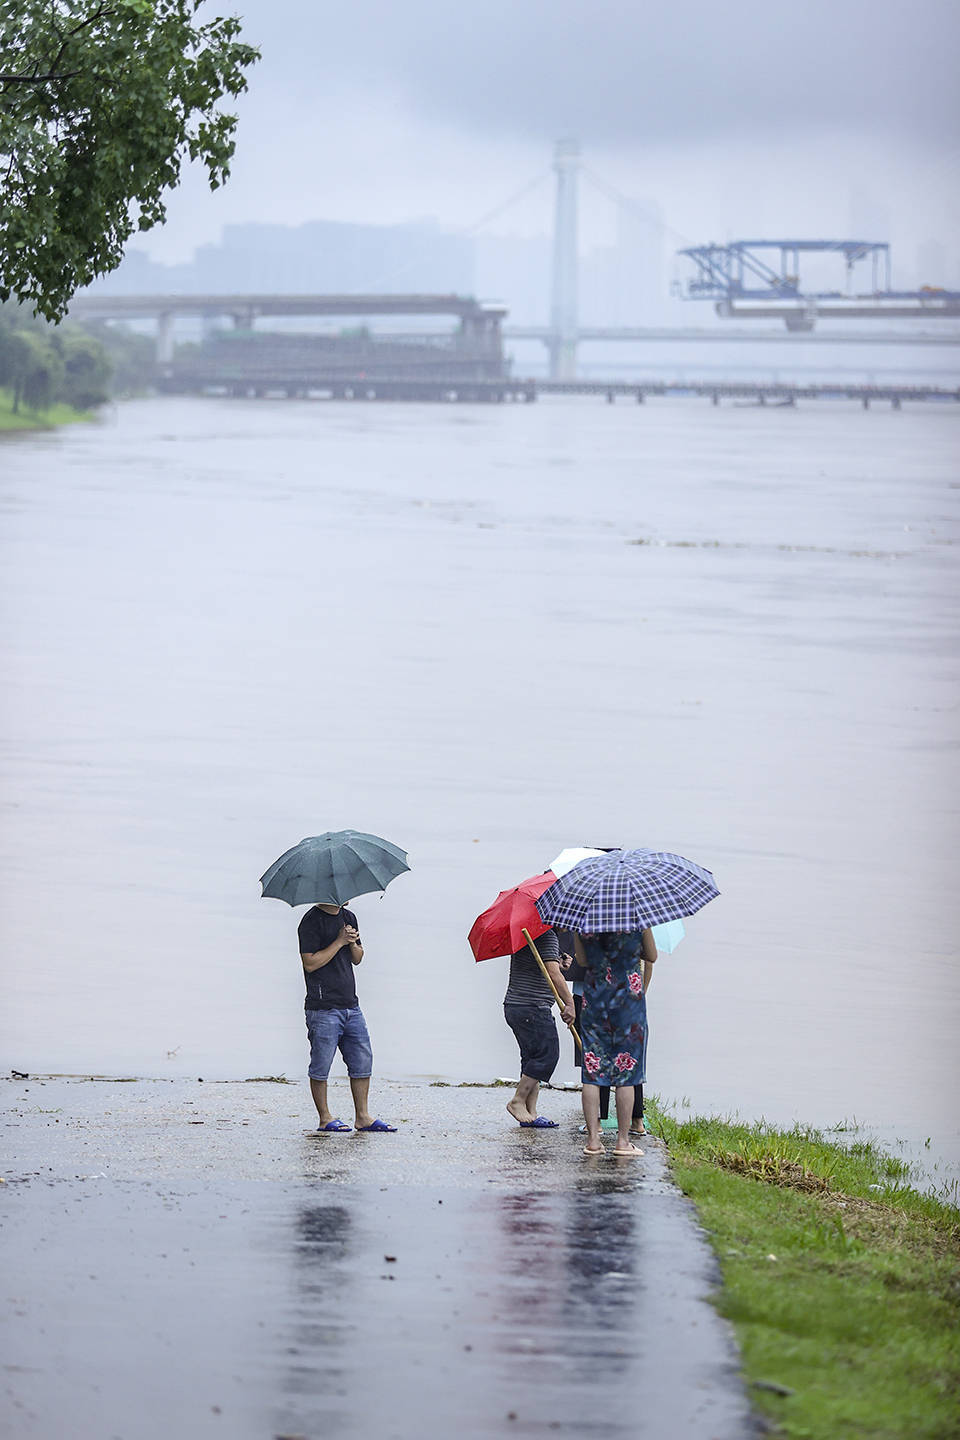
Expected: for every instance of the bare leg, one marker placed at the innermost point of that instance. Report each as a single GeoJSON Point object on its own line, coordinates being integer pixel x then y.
{"type": "Point", "coordinates": [360, 1090]}
{"type": "Point", "coordinates": [318, 1089]}
{"type": "Point", "coordinates": [625, 1145]}
{"type": "Point", "coordinates": [523, 1106]}
{"type": "Point", "coordinates": [590, 1100]}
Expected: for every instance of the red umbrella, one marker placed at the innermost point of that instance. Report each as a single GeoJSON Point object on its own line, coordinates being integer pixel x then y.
{"type": "Point", "coordinates": [512, 922]}
{"type": "Point", "coordinates": [499, 930]}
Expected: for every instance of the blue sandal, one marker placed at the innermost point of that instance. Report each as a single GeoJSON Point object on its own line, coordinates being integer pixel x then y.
{"type": "Point", "coordinates": [380, 1127]}
{"type": "Point", "coordinates": [336, 1126]}
{"type": "Point", "coordinates": [541, 1123]}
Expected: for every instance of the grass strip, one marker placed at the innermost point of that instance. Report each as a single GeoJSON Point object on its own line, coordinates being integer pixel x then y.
{"type": "Point", "coordinates": [842, 1281]}
{"type": "Point", "coordinates": [37, 419]}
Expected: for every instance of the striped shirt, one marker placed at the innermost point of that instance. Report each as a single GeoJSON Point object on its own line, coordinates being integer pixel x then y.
{"type": "Point", "coordinates": [528, 985]}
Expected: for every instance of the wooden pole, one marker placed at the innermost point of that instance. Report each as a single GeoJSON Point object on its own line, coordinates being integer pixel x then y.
{"type": "Point", "coordinates": [556, 994]}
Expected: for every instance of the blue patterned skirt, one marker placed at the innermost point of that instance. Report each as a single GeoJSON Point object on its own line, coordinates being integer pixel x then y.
{"type": "Point", "coordinates": [613, 1028]}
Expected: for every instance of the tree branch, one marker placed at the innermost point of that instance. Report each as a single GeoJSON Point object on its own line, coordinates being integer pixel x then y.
{"type": "Point", "coordinates": [36, 79]}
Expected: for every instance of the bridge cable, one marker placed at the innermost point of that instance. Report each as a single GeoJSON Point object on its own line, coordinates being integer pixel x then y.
{"type": "Point", "coordinates": [619, 198]}
{"type": "Point", "coordinates": [464, 231]}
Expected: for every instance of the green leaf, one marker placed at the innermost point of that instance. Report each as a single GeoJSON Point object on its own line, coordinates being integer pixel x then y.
{"type": "Point", "coordinates": [87, 156]}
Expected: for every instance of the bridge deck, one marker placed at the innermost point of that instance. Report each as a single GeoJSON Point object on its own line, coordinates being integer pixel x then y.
{"type": "Point", "coordinates": [118, 307]}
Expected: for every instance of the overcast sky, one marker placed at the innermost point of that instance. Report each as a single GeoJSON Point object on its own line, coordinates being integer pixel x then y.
{"type": "Point", "coordinates": [815, 117]}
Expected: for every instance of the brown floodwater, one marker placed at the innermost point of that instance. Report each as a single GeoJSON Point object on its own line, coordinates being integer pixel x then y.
{"type": "Point", "coordinates": [487, 633]}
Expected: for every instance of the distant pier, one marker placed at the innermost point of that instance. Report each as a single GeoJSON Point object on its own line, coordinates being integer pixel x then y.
{"type": "Point", "coordinates": [758, 392]}
{"type": "Point", "coordinates": [458, 390]}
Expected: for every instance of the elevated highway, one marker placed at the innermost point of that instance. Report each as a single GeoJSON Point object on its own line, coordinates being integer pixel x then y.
{"type": "Point", "coordinates": [480, 324]}
{"type": "Point", "coordinates": [480, 332]}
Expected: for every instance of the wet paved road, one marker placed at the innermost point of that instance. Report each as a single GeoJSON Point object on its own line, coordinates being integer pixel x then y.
{"type": "Point", "coordinates": [188, 1260]}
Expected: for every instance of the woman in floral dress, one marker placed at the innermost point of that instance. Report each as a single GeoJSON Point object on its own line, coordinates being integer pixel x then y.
{"type": "Point", "coordinates": [613, 1027]}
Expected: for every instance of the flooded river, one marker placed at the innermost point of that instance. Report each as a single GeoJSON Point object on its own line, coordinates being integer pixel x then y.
{"type": "Point", "coordinates": [487, 633]}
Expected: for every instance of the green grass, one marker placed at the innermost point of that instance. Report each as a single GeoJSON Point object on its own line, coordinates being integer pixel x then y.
{"type": "Point", "coordinates": [37, 419]}
{"type": "Point", "coordinates": [841, 1280]}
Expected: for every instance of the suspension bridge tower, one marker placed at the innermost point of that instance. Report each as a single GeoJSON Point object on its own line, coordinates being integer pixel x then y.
{"type": "Point", "coordinates": [563, 306]}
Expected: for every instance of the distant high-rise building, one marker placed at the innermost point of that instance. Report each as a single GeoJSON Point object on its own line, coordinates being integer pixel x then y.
{"type": "Point", "coordinates": [870, 217]}
{"type": "Point", "coordinates": [516, 271]}
{"type": "Point", "coordinates": [320, 257]}
{"type": "Point", "coordinates": [626, 283]}
{"type": "Point", "coordinates": [640, 263]}
{"type": "Point", "coordinates": [932, 265]}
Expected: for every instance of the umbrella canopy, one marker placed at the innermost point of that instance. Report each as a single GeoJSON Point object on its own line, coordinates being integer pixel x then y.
{"type": "Point", "coordinates": [331, 869]}
{"type": "Point", "coordinates": [499, 930]}
{"type": "Point", "coordinates": [626, 890]}
{"type": "Point", "coordinates": [667, 936]}
{"type": "Point", "coordinates": [573, 854]}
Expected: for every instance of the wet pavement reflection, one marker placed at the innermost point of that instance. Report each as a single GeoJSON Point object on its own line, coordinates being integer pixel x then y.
{"type": "Point", "coordinates": [441, 1311]}
{"type": "Point", "coordinates": [457, 1279]}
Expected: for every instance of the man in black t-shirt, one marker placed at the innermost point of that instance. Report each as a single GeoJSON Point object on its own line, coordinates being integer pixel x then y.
{"type": "Point", "coordinates": [330, 948]}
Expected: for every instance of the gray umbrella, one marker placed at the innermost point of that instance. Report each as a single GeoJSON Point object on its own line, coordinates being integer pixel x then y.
{"type": "Point", "coordinates": [331, 869]}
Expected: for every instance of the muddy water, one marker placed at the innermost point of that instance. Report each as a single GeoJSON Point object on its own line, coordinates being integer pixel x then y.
{"type": "Point", "coordinates": [487, 634]}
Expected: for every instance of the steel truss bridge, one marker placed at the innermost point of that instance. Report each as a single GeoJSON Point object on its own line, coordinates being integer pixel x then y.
{"type": "Point", "coordinates": [744, 284]}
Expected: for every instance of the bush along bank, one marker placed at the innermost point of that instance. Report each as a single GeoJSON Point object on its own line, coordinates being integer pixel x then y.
{"type": "Point", "coordinates": [43, 366]}
{"type": "Point", "coordinates": [841, 1280]}
{"type": "Point", "coordinates": [45, 419]}
{"type": "Point", "coordinates": [55, 374]}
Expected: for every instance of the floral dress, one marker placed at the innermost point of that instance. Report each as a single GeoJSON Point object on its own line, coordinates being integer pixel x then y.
{"type": "Point", "coordinates": [613, 1022]}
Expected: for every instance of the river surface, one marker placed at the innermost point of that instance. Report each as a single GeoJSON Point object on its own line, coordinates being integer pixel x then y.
{"type": "Point", "coordinates": [488, 633]}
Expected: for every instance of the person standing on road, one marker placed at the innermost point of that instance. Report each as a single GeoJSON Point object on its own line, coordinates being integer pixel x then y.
{"type": "Point", "coordinates": [571, 963]}
{"type": "Point", "coordinates": [527, 1007]}
{"type": "Point", "coordinates": [330, 950]}
{"type": "Point", "coordinates": [613, 1021]}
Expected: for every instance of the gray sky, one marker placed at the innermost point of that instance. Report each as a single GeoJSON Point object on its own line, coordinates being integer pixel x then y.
{"type": "Point", "coordinates": [746, 117]}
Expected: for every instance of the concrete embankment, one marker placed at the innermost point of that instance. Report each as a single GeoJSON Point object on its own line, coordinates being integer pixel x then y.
{"type": "Point", "coordinates": [192, 1259]}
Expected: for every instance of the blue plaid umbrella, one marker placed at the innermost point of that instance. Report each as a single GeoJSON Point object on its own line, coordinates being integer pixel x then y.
{"type": "Point", "coordinates": [626, 890]}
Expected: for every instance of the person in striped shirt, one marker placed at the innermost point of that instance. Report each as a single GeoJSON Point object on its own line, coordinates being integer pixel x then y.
{"type": "Point", "coordinates": [527, 1007]}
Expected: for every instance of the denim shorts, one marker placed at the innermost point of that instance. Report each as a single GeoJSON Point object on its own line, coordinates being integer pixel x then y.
{"type": "Point", "coordinates": [343, 1030]}
{"type": "Point", "coordinates": [537, 1037]}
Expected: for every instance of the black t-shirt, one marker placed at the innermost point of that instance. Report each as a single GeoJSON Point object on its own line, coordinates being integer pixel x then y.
{"type": "Point", "coordinates": [332, 987]}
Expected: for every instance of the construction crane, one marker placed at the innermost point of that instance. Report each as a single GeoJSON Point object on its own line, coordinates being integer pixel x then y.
{"type": "Point", "coordinates": [743, 282]}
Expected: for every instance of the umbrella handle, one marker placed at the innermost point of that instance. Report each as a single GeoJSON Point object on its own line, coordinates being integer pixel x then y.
{"type": "Point", "coordinates": [556, 994]}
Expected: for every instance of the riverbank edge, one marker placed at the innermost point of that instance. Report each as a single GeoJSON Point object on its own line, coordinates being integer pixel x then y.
{"type": "Point", "coordinates": [30, 420]}
{"type": "Point", "coordinates": [841, 1280]}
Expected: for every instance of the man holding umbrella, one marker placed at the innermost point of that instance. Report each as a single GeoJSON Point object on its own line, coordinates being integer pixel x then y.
{"type": "Point", "coordinates": [330, 948]}
{"type": "Point", "coordinates": [330, 869]}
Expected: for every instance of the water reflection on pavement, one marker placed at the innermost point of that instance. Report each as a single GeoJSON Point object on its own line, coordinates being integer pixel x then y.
{"type": "Point", "coordinates": [480, 1311]}
{"type": "Point", "coordinates": [187, 1260]}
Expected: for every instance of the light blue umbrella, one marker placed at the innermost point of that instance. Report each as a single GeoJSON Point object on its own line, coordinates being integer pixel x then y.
{"type": "Point", "coordinates": [333, 868]}
{"type": "Point", "coordinates": [667, 937]}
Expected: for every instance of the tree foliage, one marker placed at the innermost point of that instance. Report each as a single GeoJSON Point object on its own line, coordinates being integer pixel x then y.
{"type": "Point", "coordinates": [34, 368]}
{"type": "Point", "coordinates": [42, 364]}
{"type": "Point", "coordinates": [86, 371]}
{"type": "Point", "coordinates": [101, 103]}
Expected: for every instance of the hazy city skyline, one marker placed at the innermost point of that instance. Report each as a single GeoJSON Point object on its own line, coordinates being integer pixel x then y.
{"type": "Point", "coordinates": [732, 123]}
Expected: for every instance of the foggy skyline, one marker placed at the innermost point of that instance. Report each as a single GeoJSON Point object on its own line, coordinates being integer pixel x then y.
{"type": "Point", "coordinates": [737, 121]}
